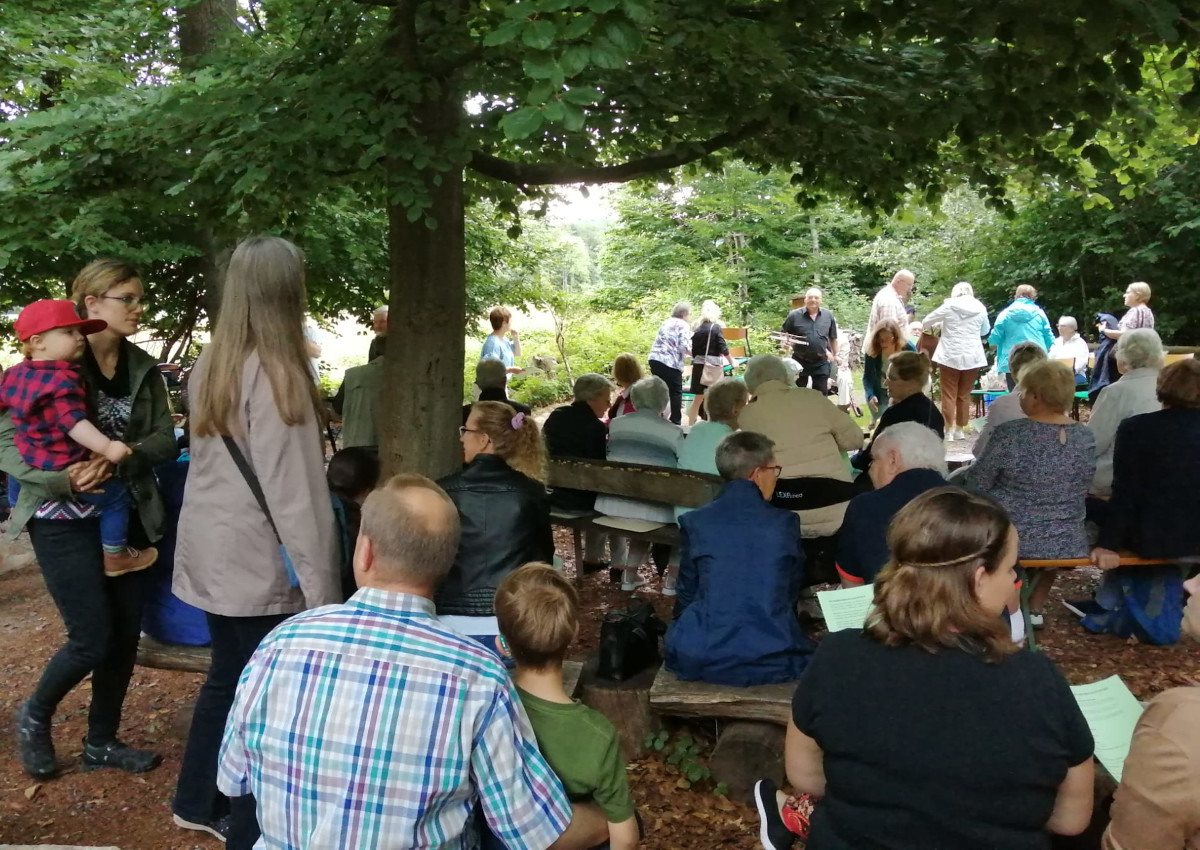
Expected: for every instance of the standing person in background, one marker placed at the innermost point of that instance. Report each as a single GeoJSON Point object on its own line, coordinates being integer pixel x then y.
{"type": "Point", "coordinates": [849, 360]}
{"type": "Point", "coordinates": [817, 346]}
{"type": "Point", "coordinates": [889, 302]}
{"type": "Point", "coordinates": [312, 347]}
{"type": "Point", "coordinates": [379, 323]}
{"type": "Point", "coordinates": [1070, 344]}
{"type": "Point", "coordinates": [626, 372]}
{"type": "Point", "coordinates": [1139, 314]}
{"type": "Point", "coordinates": [1020, 321]}
{"type": "Point", "coordinates": [250, 397]}
{"type": "Point", "coordinates": [887, 341]}
{"type": "Point", "coordinates": [959, 354]}
{"type": "Point", "coordinates": [672, 343]}
{"type": "Point", "coordinates": [497, 346]}
{"type": "Point", "coordinates": [103, 616]}
{"type": "Point", "coordinates": [708, 349]}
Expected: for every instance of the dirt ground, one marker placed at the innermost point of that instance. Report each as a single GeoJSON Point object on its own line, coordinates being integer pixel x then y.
{"type": "Point", "coordinates": [108, 808]}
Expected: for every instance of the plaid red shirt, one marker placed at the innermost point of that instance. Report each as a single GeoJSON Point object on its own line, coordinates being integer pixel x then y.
{"type": "Point", "coordinates": [47, 400]}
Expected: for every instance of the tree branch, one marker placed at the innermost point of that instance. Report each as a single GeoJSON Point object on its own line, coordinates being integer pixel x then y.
{"type": "Point", "coordinates": [388, 3]}
{"type": "Point", "coordinates": [541, 174]}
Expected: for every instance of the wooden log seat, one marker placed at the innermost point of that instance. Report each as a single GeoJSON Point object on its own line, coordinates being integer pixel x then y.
{"type": "Point", "coordinates": [752, 723]}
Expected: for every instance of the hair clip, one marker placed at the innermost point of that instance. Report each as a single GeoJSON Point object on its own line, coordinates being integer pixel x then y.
{"type": "Point", "coordinates": [518, 421]}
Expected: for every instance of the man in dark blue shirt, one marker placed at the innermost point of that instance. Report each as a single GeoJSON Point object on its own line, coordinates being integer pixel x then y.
{"type": "Point", "coordinates": [908, 460]}
{"type": "Point", "coordinates": [816, 333]}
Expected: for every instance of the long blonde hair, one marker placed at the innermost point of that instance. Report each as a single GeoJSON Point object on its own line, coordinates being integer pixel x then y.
{"type": "Point", "coordinates": [515, 437]}
{"type": "Point", "coordinates": [262, 309]}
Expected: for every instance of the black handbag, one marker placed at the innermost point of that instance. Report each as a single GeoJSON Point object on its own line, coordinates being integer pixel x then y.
{"type": "Point", "coordinates": [629, 641]}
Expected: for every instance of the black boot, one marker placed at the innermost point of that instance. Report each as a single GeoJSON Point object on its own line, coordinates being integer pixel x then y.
{"type": "Point", "coordinates": [119, 755]}
{"type": "Point", "coordinates": [34, 745]}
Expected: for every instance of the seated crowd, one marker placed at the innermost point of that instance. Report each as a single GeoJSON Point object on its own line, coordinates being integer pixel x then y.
{"type": "Point", "coordinates": [417, 699]}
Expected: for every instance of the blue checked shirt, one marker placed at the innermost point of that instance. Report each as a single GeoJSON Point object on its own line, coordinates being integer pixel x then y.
{"type": "Point", "coordinates": [371, 725]}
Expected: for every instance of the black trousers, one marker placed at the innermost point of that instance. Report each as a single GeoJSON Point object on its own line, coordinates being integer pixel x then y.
{"type": "Point", "coordinates": [103, 617]}
{"type": "Point", "coordinates": [674, 381]}
{"type": "Point", "coordinates": [234, 640]}
{"type": "Point", "coordinates": [818, 373]}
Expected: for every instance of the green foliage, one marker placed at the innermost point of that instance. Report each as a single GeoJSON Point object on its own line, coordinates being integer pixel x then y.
{"type": "Point", "coordinates": [539, 391]}
{"type": "Point", "coordinates": [685, 754]}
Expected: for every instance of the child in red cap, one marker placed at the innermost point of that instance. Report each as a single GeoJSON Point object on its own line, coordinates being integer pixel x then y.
{"type": "Point", "coordinates": [49, 409]}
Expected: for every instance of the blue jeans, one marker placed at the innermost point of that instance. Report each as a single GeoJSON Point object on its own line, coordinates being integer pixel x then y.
{"type": "Point", "coordinates": [113, 503]}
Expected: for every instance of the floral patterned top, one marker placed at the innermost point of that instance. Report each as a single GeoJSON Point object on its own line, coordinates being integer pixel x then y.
{"type": "Point", "coordinates": [1137, 316]}
{"type": "Point", "coordinates": [672, 343]}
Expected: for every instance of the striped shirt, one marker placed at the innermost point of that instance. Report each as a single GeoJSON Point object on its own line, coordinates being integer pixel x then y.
{"type": "Point", "coordinates": [372, 725]}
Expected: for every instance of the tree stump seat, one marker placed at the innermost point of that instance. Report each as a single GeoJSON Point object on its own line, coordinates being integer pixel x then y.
{"type": "Point", "coordinates": [752, 723]}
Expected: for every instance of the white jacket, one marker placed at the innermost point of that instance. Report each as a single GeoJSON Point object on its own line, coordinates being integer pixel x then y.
{"type": "Point", "coordinates": [964, 323]}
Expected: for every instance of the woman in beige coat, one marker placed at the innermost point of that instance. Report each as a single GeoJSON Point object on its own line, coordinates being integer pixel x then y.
{"type": "Point", "coordinates": [810, 434]}
{"type": "Point", "coordinates": [251, 394]}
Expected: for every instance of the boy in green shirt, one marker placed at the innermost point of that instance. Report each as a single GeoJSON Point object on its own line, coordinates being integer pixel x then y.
{"type": "Point", "coordinates": [538, 612]}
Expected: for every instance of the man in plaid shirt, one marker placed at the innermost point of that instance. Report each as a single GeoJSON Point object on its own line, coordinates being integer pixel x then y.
{"type": "Point", "coordinates": [46, 397]}
{"type": "Point", "coordinates": [372, 725]}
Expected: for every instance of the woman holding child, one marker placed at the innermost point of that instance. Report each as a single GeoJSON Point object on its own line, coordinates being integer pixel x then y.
{"type": "Point", "coordinates": [255, 424]}
{"type": "Point", "coordinates": [102, 614]}
{"type": "Point", "coordinates": [930, 727]}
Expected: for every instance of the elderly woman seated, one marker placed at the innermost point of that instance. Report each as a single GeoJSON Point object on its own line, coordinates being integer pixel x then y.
{"type": "Point", "coordinates": [577, 430]}
{"type": "Point", "coordinates": [641, 437]}
{"type": "Point", "coordinates": [1153, 511]}
{"type": "Point", "coordinates": [1139, 355]}
{"type": "Point", "coordinates": [930, 728]}
{"type": "Point", "coordinates": [724, 402]}
{"type": "Point", "coordinates": [907, 373]}
{"type": "Point", "coordinates": [1040, 468]}
{"type": "Point", "coordinates": [1008, 407]}
{"type": "Point", "coordinates": [810, 435]}
{"type": "Point", "coordinates": [491, 376]}
{"type": "Point", "coordinates": [735, 621]}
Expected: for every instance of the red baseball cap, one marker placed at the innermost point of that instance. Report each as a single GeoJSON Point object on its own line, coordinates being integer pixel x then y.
{"type": "Point", "coordinates": [50, 313]}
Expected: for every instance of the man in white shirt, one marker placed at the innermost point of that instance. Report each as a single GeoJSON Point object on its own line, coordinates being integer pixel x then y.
{"type": "Point", "coordinates": [889, 302]}
{"type": "Point", "coordinates": [1071, 345]}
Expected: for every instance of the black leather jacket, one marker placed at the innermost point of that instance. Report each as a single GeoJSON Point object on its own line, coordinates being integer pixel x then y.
{"type": "Point", "coordinates": [505, 523]}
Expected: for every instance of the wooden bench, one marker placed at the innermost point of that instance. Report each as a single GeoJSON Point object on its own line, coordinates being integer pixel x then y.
{"type": "Point", "coordinates": [1128, 559]}
{"type": "Point", "coordinates": [750, 744]}
{"type": "Point", "coordinates": [680, 487]}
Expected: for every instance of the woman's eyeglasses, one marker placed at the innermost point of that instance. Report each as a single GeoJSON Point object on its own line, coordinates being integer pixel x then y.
{"type": "Point", "coordinates": [464, 429]}
{"type": "Point", "coordinates": [131, 302]}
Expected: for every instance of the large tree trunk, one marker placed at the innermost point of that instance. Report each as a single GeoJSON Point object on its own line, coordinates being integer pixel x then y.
{"type": "Point", "coordinates": [423, 375]}
{"type": "Point", "coordinates": [200, 25]}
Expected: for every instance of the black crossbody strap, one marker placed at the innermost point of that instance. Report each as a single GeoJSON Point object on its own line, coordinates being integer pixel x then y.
{"type": "Point", "coordinates": [243, 466]}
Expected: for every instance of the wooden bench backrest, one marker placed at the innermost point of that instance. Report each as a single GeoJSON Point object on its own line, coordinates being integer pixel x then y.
{"type": "Point", "coordinates": [1175, 358]}
{"type": "Point", "coordinates": [636, 481]}
{"type": "Point", "coordinates": [1069, 362]}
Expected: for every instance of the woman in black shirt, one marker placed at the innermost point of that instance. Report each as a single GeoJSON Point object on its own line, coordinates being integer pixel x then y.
{"type": "Point", "coordinates": [930, 728]}
{"type": "Point", "coordinates": [708, 349]}
{"type": "Point", "coordinates": [907, 374]}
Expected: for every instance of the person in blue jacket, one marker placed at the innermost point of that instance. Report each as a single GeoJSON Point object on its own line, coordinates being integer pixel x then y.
{"type": "Point", "coordinates": [1020, 321]}
{"type": "Point", "coordinates": [740, 574]}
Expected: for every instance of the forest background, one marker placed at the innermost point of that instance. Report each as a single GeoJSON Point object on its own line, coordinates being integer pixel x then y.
{"type": "Point", "coordinates": [737, 233]}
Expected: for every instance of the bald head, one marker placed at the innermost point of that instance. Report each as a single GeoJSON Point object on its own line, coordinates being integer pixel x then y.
{"type": "Point", "coordinates": [903, 282]}
{"type": "Point", "coordinates": [411, 532]}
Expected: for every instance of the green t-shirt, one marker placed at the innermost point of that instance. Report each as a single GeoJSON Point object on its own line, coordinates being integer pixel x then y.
{"type": "Point", "coordinates": [581, 746]}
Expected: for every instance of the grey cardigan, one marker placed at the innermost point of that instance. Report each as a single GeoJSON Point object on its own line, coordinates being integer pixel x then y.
{"type": "Point", "coordinates": [227, 561]}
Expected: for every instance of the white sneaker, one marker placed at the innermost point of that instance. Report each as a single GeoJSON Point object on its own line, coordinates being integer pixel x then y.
{"type": "Point", "coordinates": [629, 584]}
{"type": "Point", "coordinates": [1036, 619]}
{"type": "Point", "coordinates": [668, 588]}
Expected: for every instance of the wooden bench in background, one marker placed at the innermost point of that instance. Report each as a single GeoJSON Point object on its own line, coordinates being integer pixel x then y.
{"type": "Point", "coordinates": [632, 480]}
{"type": "Point", "coordinates": [752, 723]}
